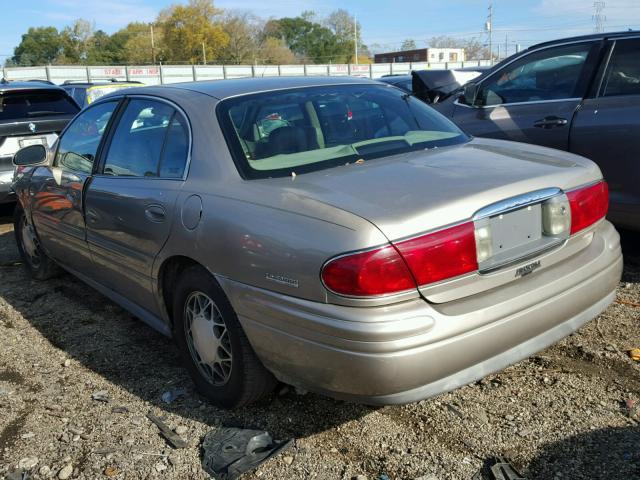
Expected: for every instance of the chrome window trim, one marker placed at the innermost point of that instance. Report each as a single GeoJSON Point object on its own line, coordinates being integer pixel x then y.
{"type": "Point", "coordinates": [575, 42]}
{"type": "Point", "coordinates": [179, 109]}
{"type": "Point", "coordinates": [532, 102]}
{"type": "Point", "coordinates": [516, 203]}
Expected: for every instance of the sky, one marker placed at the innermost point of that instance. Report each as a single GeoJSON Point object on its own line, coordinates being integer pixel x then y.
{"type": "Point", "coordinates": [383, 22]}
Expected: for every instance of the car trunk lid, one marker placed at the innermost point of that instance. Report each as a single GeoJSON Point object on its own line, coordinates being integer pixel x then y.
{"type": "Point", "coordinates": [412, 194]}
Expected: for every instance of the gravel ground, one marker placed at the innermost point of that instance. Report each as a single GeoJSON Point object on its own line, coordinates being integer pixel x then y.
{"type": "Point", "coordinates": [559, 415]}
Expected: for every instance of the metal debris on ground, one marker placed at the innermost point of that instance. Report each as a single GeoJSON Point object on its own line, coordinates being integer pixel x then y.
{"type": "Point", "coordinates": [634, 353]}
{"type": "Point", "coordinates": [230, 452]}
{"type": "Point", "coordinates": [174, 439]}
{"type": "Point", "coordinates": [18, 475]}
{"type": "Point", "coordinates": [101, 396]}
{"type": "Point", "coordinates": [170, 395]}
{"type": "Point", "coordinates": [119, 410]}
{"type": "Point", "coordinates": [498, 468]}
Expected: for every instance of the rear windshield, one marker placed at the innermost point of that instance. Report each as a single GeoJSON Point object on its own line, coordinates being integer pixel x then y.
{"type": "Point", "coordinates": [300, 130]}
{"type": "Point", "coordinates": [19, 105]}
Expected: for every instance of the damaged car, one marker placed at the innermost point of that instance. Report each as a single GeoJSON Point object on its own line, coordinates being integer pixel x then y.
{"type": "Point", "coordinates": [331, 233]}
{"type": "Point", "coordinates": [579, 94]}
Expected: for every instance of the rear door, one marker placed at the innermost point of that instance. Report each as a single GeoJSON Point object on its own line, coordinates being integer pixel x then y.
{"type": "Point", "coordinates": [56, 191]}
{"type": "Point", "coordinates": [607, 130]}
{"type": "Point", "coordinates": [130, 203]}
{"type": "Point", "coordinates": [533, 98]}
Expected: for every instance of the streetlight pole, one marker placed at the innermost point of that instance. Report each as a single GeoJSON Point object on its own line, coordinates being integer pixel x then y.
{"type": "Point", "coordinates": [153, 45]}
{"type": "Point", "coordinates": [355, 36]}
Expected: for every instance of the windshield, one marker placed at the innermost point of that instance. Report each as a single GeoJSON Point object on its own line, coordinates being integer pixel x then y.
{"type": "Point", "coordinates": [300, 130]}
{"type": "Point", "coordinates": [19, 105]}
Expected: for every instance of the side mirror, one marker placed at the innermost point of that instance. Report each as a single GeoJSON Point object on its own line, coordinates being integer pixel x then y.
{"type": "Point", "coordinates": [469, 93]}
{"type": "Point", "coordinates": [31, 155]}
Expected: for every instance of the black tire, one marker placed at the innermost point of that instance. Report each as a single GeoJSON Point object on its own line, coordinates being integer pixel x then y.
{"type": "Point", "coordinates": [248, 380]}
{"type": "Point", "coordinates": [34, 259]}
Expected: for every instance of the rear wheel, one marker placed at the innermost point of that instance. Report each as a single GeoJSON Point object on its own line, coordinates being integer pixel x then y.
{"type": "Point", "coordinates": [216, 350]}
{"type": "Point", "coordinates": [35, 260]}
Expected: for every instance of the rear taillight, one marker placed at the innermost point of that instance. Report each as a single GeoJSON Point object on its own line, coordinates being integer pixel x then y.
{"type": "Point", "coordinates": [588, 205]}
{"type": "Point", "coordinates": [440, 255]}
{"type": "Point", "coordinates": [376, 272]}
{"type": "Point", "coordinates": [419, 261]}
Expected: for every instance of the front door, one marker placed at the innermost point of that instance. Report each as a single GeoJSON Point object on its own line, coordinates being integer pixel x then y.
{"type": "Point", "coordinates": [130, 203]}
{"type": "Point", "coordinates": [607, 129]}
{"type": "Point", "coordinates": [57, 190]}
{"type": "Point", "coordinates": [532, 99]}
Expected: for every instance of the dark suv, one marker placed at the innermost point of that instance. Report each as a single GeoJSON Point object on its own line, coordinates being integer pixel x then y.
{"type": "Point", "coordinates": [30, 113]}
{"type": "Point", "coordinates": [578, 94]}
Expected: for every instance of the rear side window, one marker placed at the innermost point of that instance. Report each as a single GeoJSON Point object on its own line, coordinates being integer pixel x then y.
{"type": "Point", "coordinates": [550, 74]}
{"type": "Point", "coordinates": [20, 105]}
{"type": "Point", "coordinates": [623, 72]}
{"type": "Point", "coordinates": [151, 140]}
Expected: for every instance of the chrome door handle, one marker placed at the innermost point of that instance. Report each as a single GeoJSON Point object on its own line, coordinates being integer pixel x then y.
{"type": "Point", "coordinates": [550, 122]}
{"type": "Point", "coordinates": [92, 216]}
{"type": "Point", "coordinates": [155, 213]}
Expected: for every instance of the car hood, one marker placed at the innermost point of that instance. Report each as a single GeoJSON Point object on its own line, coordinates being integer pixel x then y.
{"type": "Point", "coordinates": [420, 191]}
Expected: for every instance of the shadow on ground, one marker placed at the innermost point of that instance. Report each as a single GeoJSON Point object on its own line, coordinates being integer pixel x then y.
{"type": "Point", "coordinates": [599, 454]}
{"type": "Point", "coordinates": [106, 339]}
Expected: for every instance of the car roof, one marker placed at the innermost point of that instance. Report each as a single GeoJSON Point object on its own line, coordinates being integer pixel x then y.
{"type": "Point", "coordinates": [222, 89]}
{"type": "Point", "coordinates": [394, 78]}
{"type": "Point", "coordinates": [7, 86]}
{"type": "Point", "coordinates": [100, 83]}
{"type": "Point", "coordinates": [592, 36]}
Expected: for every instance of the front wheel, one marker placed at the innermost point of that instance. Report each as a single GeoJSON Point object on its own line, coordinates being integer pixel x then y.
{"type": "Point", "coordinates": [35, 260]}
{"type": "Point", "coordinates": [216, 350]}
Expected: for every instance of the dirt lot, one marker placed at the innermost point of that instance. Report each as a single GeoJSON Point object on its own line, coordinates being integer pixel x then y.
{"type": "Point", "coordinates": [558, 415]}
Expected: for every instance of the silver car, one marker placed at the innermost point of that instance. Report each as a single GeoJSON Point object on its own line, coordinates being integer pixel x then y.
{"type": "Point", "coordinates": [334, 234]}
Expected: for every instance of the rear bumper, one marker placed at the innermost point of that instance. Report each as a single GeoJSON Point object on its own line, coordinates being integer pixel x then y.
{"type": "Point", "coordinates": [413, 350]}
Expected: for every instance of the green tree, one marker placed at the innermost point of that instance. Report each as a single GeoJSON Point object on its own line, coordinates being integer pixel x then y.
{"type": "Point", "coordinates": [344, 26]}
{"type": "Point", "coordinates": [76, 42]}
{"type": "Point", "coordinates": [273, 51]}
{"type": "Point", "coordinates": [408, 44]}
{"type": "Point", "coordinates": [308, 40]}
{"type": "Point", "coordinates": [192, 31]}
{"type": "Point", "coordinates": [39, 46]}
{"type": "Point", "coordinates": [243, 33]}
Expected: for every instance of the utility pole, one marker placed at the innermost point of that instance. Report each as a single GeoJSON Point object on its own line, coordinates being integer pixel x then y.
{"type": "Point", "coordinates": [153, 45]}
{"type": "Point", "coordinates": [355, 36]}
{"type": "Point", "coordinates": [598, 17]}
{"type": "Point", "coordinates": [506, 45]}
{"type": "Point", "coordinates": [489, 29]}
{"type": "Point", "coordinates": [204, 54]}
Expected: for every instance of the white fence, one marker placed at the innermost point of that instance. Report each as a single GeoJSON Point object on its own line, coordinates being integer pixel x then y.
{"type": "Point", "coordinates": [162, 74]}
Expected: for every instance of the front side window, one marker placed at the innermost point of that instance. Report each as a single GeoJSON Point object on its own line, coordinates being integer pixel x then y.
{"type": "Point", "coordinates": [78, 145]}
{"type": "Point", "coordinates": [18, 105]}
{"type": "Point", "coordinates": [299, 130]}
{"type": "Point", "coordinates": [550, 74]}
{"type": "Point", "coordinates": [151, 140]}
{"type": "Point", "coordinates": [623, 73]}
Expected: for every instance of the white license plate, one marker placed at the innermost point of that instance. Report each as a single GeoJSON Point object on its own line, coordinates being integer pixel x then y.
{"type": "Point", "coordinates": [516, 229]}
